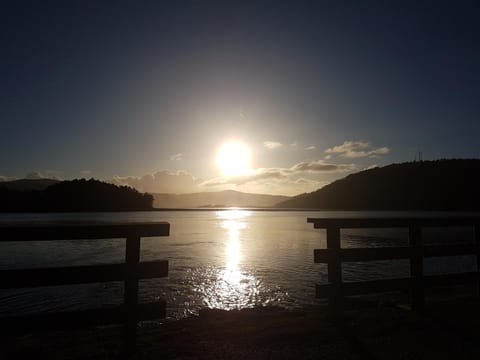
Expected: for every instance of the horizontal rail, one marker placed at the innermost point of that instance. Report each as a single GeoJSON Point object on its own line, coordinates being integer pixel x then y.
{"type": "Point", "coordinates": [80, 318]}
{"type": "Point", "coordinates": [130, 272]}
{"type": "Point", "coordinates": [357, 223]}
{"type": "Point", "coordinates": [66, 231]}
{"type": "Point", "coordinates": [401, 284]}
{"type": "Point", "coordinates": [392, 253]}
{"type": "Point", "coordinates": [415, 252]}
{"type": "Point", "coordinates": [22, 278]}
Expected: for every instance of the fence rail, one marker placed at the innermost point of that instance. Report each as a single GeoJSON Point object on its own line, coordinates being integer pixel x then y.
{"type": "Point", "coordinates": [334, 255]}
{"type": "Point", "coordinates": [129, 313]}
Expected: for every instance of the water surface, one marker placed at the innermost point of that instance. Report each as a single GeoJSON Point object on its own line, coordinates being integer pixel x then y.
{"type": "Point", "coordinates": [219, 259]}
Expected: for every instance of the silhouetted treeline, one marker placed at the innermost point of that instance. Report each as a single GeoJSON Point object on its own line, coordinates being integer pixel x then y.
{"type": "Point", "coordinates": [75, 195]}
{"type": "Point", "coordinates": [424, 185]}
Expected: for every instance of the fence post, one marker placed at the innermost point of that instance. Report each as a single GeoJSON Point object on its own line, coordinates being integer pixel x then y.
{"type": "Point", "coordinates": [416, 266]}
{"type": "Point", "coordinates": [335, 301]}
{"type": "Point", "coordinates": [477, 243]}
{"type": "Point", "coordinates": [132, 258]}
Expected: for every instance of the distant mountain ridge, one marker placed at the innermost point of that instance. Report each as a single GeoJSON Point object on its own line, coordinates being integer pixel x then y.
{"type": "Point", "coordinates": [226, 198]}
{"type": "Point", "coordinates": [424, 185]}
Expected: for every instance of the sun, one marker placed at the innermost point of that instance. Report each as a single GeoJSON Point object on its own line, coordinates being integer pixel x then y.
{"type": "Point", "coordinates": [233, 159]}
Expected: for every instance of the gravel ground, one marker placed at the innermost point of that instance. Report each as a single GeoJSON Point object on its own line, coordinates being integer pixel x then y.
{"type": "Point", "coordinates": [370, 330]}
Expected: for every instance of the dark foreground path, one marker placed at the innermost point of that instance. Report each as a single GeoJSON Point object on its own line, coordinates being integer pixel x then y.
{"type": "Point", "coordinates": [446, 330]}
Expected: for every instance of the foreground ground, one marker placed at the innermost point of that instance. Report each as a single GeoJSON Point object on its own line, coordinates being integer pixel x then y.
{"type": "Point", "coordinates": [372, 329]}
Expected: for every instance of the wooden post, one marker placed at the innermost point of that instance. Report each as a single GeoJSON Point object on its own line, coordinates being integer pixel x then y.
{"type": "Point", "coordinates": [416, 267]}
{"type": "Point", "coordinates": [477, 243]}
{"type": "Point", "coordinates": [132, 258]}
{"type": "Point", "coordinates": [335, 301]}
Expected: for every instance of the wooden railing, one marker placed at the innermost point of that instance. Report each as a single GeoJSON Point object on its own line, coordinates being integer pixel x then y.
{"type": "Point", "coordinates": [130, 272]}
{"type": "Point", "coordinates": [334, 255]}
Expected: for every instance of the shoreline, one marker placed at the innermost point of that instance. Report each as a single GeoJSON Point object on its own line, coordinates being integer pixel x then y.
{"type": "Point", "coordinates": [459, 212]}
{"type": "Point", "coordinates": [371, 329]}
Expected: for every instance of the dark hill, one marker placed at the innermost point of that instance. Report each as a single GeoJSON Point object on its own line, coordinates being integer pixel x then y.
{"type": "Point", "coordinates": [75, 195]}
{"type": "Point", "coordinates": [425, 185]}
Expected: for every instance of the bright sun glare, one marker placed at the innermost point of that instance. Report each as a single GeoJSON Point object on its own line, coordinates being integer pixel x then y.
{"type": "Point", "coordinates": [233, 159]}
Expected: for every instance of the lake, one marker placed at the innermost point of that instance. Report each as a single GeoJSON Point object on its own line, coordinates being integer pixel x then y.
{"type": "Point", "coordinates": [225, 259]}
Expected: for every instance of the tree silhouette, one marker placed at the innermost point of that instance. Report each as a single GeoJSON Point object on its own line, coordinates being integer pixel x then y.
{"type": "Point", "coordinates": [76, 195]}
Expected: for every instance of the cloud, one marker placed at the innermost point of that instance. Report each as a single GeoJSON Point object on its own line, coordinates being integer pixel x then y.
{"type": "Point", "coordinates": [34, 175]}
{"type": "Point", "coordinates": [357, 149]}
{"type": "Point", "coordinates": [176, 157]}
{"type": "Point", "coordinates": [85, 172]}
{"type": "Point", "coordinates": [280, 174]}
{"type": "Point", "coordinates": [309, 185]}
{"type": "Point", "coordinates": [311, 147]}
{"type": "Point", "coordinates": [258, 175]}
{"type": "Point", "coordinates": [272, 145]}
{"type": "Point", "coordinates": [54, 174]}
{"type": "Point", "coordinates": [320, 166]}
{"type": "Point", "coordinates": [161, 182]}
{"type": "Point", "coordinates": [48, 174]}
{"type": "Point", "coordinates": [284, 180]}
{"type": "Point", "coordinates": [309, 181]}
{"type": "Point", "coordinates": [266, 181]}
{"type": "Point", "coordinates": [283, 187]}
{"type": "Point", "coordinates": [7, 178]}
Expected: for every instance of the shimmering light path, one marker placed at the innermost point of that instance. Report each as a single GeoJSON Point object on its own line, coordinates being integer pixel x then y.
{"type": "Point", "coordinates": [231, 287]}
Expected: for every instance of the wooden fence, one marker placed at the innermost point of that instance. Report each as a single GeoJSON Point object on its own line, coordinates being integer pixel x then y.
{"type": "Point", "coordinates": [334, 255]}
{"type": "Point", "coordinates": [130, 272]}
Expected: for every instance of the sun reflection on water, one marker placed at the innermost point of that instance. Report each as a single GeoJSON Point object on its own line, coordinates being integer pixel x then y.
{"type": "Point", "coordinates": [233, 287]}
{"type": "Point", "coordinates": [235, 282]}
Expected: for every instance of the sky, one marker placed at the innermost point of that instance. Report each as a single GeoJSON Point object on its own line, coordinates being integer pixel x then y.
{"type": "Point", "coordinates": [144, 93]}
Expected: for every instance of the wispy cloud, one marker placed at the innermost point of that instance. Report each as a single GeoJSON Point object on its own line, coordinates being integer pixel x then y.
{"type": "Point", "coordinates": [320, 166]}
{"type": "Point", "coordinates": [54, 174]}
{"type": "Point", "coordinates": [357, 149]}
{"type": "Point", "coordinates": [272, 145]}
{"type": "Point", "coordinates": [259, 175]}
{"type": "Point", "coordinates": [47, 174]}
{"type": "Point", "coordinates": [176, 157]}
{"type": "Point", "coordinates": [282, 180]}
{"type": "Point", "coordinates": [282, 173]}
{"type": "Point", "coordinates": [34, 175]}
{"type": "Point", "coordinates": [284, 186]}
{"type": "Point", "coordinates": [161, 182]}
{"type": "Point", "coordinates": [311, 147]}
{"type": "Point", "coordinates": [7, 178]}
